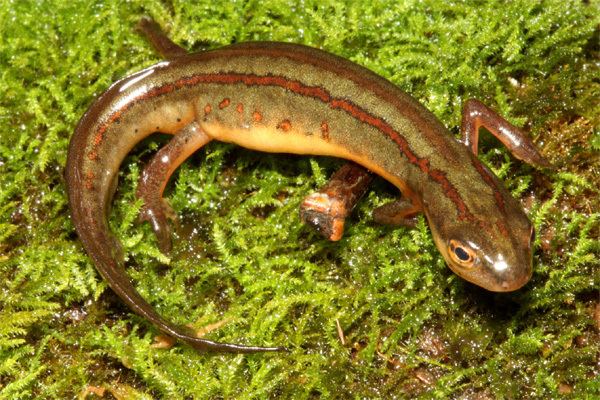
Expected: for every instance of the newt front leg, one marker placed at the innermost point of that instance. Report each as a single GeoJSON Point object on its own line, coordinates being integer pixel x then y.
{"type": "Point", "coordinates": [326, 209]}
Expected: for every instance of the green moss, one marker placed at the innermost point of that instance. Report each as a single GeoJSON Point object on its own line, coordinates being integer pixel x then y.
{"type": "Point", "coordinates": [242, 258]}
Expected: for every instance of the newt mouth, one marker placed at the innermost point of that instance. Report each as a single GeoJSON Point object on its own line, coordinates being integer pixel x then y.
{"type": "Point", "coordinates": [511, 285]}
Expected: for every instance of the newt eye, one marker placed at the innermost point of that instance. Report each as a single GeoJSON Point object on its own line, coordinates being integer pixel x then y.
{"type": "Point", "coordinates": [461, 254]}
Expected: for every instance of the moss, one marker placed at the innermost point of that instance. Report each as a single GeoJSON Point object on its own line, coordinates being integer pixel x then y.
{"type": "Point", "coordinates": [242, 258]}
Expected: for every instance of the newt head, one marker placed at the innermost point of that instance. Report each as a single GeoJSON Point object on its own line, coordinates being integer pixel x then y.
{"type": "Point", "coordinates": [495, 259]}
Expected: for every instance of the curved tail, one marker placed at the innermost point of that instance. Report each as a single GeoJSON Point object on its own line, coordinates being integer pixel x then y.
{"type": "Point", "coordinates": [89, 201]}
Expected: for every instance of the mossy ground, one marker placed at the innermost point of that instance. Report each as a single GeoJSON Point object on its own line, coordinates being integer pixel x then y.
{"type": "Point", "coordinates": [411, 327]}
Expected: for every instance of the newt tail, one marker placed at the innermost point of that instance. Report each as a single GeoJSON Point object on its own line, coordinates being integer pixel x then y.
{"type": "Point", "coordinates": [89, 199]}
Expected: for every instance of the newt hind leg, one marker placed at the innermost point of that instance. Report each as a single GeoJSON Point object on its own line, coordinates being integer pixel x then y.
{"type": "Point", "coordinates": [161, 42]}
{"type": "Point", "coordinates": [156, 174]}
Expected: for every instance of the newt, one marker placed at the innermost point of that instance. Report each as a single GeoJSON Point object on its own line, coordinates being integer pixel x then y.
{"type": "Point", "coordinates": [290, 98]}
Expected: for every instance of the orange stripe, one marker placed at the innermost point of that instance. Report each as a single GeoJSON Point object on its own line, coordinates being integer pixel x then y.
{"type": "Point", "coordinates": [317, 93]}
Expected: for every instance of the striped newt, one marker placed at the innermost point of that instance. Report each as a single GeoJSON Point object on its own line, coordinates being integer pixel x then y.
{"type": "Point", "coordinates": [290, 98]}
